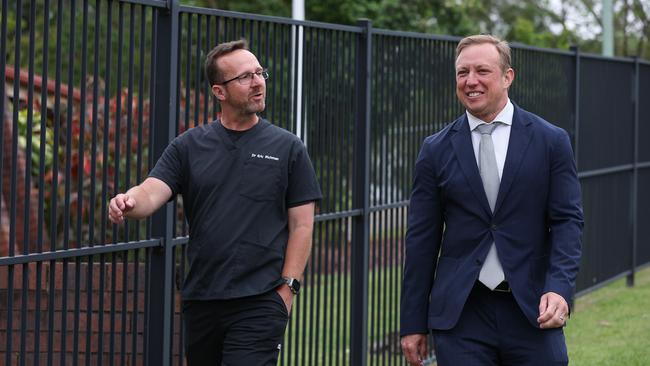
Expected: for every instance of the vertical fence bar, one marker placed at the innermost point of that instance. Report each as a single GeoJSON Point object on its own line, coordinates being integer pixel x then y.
{"type": "Point", "coordinates": [28, 139]}
{"type": "Point", "coordinates": [82, 122]}
{"type": "Point", "coordinates": [105, 120]}
{"type": "Point", "coordinates": [140, 110]}
{"type": "Point", "coordinates": [56, 120]}
{"type": "Point", "coordinates": [55, 169]}
{"type": "Point", "coordinates": [187, 62]}
{"type": "Point", "coordinates": [93, 183]}
{"type": "Point", "coordinates": [300, 317]}
{"type": "Point", "coordinates": [68, 143]}
{"type": "Point", "coordinates": [162, 223]}
{"type": "Point", "coordinates": [123, 321]}
{"type": "Point", "coordinates": [318, 131]}
{"type": "Point", "coordinates": [3, 61]}
{"type": "Point", "coordinates": [105, 193]}
{"type": "Point", "coordinates": [213, 99]}
{"type": "Point", "coordinates": [372, 252]}
{"type": "Point", "coordinates": [150, 159]}
{"type": "Point", "coordinates": [41, 183]}
{"type": "Point", "coordinates": [152, 96]}
{"type": "Point", "coordinates": [325, 128]}
{"type": "Point", "coordinates": [181, 273]}
{"type": "Point", "coordinates": [193, 81]}
{"type": "Point", "coordinates": [41, 211]}
{"type": "Point", "coordinates": [341, 240]}
{"type": "Point", "coordinates": [68, 181]}
{"type": "Point", "coordinates": [94, 142]}
{"type": "Point", "coordinates": [182, 103]}
{"type": "Point", "coordinates": [80, 193]}
{"type": "Point", "coordinates": [27, 188]}
{"type": "Point", "coordinates": [576, 116]}
{"type": "Point", "coordinates": [360, 235]}
{"type": "Point", "coordinates": [309, 277]}
{"type": "Point", "coordinates": [116, 178]}
{"type": "Point", "coordinates": [128, 152]}
{"type": "Point", "coordinates": [289, 332]}
{"type": "Point", "coordinates": [129, 112]}
{"type": "Point", "coordinates": [134, 319]}
{"type": "Point", "coordinates": [349, 138]}
{"type": "Point", "coordinates": [207, 46]}
{"type": "Point", "coordinates": [13, 182]}
{"type": "Point", "coordinates": [376, 195]}
{"type": "Point", "coordinates": [635, 175]}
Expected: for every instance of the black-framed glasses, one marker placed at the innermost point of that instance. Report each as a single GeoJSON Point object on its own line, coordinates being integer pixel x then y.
{"type": "Point", "coordinates": [245, 79]}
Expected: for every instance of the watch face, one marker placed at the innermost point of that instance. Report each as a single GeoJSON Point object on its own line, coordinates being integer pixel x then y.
{"type": "Point", "coordinates": [294, 284]}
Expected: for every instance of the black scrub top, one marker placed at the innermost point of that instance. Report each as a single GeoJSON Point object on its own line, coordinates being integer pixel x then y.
{"type": "Point", "coordinates": [235, 197]}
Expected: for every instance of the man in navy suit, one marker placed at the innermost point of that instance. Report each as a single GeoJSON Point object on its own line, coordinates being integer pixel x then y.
{"type": "Point", "coordinates": [495, 224]}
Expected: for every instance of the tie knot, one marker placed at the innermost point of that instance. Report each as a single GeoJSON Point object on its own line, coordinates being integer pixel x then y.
{"type": "Point", "coordinates": [487, 128]}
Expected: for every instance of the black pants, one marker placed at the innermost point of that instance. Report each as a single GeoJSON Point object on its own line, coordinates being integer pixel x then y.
{"type": "Point", "coordinates": [246, 331]}
{"type": "Point", "coordinates": [493, 331]}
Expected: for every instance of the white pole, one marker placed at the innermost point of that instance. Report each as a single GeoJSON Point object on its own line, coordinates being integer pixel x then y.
{"type": "Point", "coordinates": [608, 28]}
{"type": "Point", "coordinates": [298, 13]}
{"type": "Point", "coordinates": [298, 9]}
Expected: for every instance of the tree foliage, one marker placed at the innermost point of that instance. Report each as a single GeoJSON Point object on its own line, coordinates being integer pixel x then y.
{"type": "Point", "coordinates": [631, 25]}
{"type": "Point", "coordinates": [543, 23]}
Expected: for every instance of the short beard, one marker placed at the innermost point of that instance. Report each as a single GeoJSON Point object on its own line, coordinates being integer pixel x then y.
{"type": "Point", "coordinates": [253, 108]}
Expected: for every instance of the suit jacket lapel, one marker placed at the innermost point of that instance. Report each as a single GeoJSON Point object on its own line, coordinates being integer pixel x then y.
{"type": "Point", "coordinates": [462, 143]}
{"type": "Point", "coordinates": [520, 136]}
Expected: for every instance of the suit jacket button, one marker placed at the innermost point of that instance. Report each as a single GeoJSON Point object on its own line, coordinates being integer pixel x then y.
{"type": "Point", "coordinates": [493, 227]}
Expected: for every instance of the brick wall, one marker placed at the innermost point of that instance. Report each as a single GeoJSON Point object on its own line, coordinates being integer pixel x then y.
{"type": "Point", "coordinates": [129, 323]}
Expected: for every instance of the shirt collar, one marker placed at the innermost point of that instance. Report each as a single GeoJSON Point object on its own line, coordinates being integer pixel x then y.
{"type": "Point", "coordinates": [505, 116]}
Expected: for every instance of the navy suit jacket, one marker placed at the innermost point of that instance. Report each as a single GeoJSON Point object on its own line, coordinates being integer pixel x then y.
{"type": "Point", "coordinates": [536, 225]}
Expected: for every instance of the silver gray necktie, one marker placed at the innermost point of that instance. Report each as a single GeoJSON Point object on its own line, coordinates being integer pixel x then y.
{"type": "Point", "coordinates": [491, 273]}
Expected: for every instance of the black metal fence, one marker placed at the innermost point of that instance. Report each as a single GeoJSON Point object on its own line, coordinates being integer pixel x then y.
{"type": "Point", "coordinates": [95, 90]}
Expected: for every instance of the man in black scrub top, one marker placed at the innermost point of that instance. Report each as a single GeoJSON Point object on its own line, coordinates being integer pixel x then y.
{"type": "Point", "coordinates": [248, 191]}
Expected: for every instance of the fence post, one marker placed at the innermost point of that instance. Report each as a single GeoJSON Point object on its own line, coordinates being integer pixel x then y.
{"type": "Point", "coordinates": [576, 121]}
{"type": "Point", "coordinates": [576, 110]}
{"type": "Point", "coordinates": [635, 176]}
{"type": "Point", "coordinates": [160, 303]}
{"type": "Point", "coordinates": [361, 199]}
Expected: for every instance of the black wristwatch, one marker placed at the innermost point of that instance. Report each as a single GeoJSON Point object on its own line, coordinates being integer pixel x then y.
{"type": "Point", "coordinates": [294, 284]}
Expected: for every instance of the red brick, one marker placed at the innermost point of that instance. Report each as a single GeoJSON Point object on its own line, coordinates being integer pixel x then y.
{"type": "Point", "coordinates": [82, 339]}
{"type": "Point", "coordinates": [104, 293]}
{"type": "Point", "coordinates": [17, 300]}
{"type": "Point", "coordinates": [18, 271]}
{"type": "Point", "coordinates": [79, 358]}
{"type": "Point", "coordinates": [97, 271]}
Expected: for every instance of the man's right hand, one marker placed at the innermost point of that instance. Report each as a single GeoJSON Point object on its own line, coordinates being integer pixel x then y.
{"type": "Point", "coordinates": [150, 195]}
{"type": "Point", "coordinates": [414, 347]}
{"type": "Point", "coordinates": [119, 206]}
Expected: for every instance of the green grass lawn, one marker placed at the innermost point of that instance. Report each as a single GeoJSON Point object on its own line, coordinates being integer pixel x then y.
{"type": "Point", "coordinates": [319, 332]}
{"type": "Point", "coordinates": [611, 326]}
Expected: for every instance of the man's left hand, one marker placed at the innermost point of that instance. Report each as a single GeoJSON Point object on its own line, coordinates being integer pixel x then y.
{"type": "Point", "coordinates": [553, 311]}
{"type": "Point", "coordinates": [286, 295]}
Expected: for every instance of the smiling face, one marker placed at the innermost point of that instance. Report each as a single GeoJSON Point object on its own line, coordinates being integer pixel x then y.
{"type": "Point", "coordinates": [243, 100]}
{"type": "Point", "coordinates": [481, 84]}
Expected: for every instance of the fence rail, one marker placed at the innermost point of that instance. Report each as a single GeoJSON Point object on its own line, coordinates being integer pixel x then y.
{"type": "Point", "coordinates": [95, 90]}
